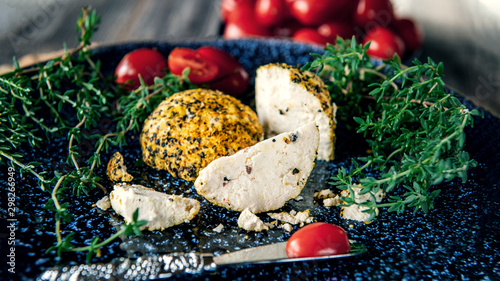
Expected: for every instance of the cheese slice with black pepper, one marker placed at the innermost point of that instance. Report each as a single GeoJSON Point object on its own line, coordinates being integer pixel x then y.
{"type": "Point", "coordinates": [262, 177]}
{"type": "Point", "coordinates": [160, 210]}
{"type": "Point", "coordinates": [287, 98]}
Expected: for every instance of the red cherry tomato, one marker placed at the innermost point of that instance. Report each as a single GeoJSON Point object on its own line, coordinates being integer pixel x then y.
{"type": "Point", "coordinates": [243, 23]}
{"type": "Point", "coordinates": [331, 30]}
{"type": "Point", "coordinates": [286, 29]}
{"type": "Point", "coordinates": [384, 43]}
{"type": "Point", "coordinates": [347, 15]}
{"type": "Point", "coordinates": [315, 12]}
{"type": "Point", "coordinates": [234, 84]}
{"type": "Point", "coordinates": [271, 12]}
{"type": "Point", "coordinates": [318, 239]}
{"type": "Point", "coordinates": [228, 6]}
{"type": "Point", "coordinates": [374, 12]}
{"type": "Point", "coordinates": [201, 69]}
{"type": "Point", "coordinates": [310, 35]}
{"type": "Point", "coordinates": [232, 77]}
{"type": "Point", "coordinates": [227, 63]}
{"type": "Point", "coordinates": [147, 63]}
{"type": "Point", "coordinates": [410, 32]}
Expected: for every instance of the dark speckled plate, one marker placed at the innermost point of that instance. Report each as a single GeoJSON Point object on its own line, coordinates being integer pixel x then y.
{"type": "Point", "coordinates": [459, 239]}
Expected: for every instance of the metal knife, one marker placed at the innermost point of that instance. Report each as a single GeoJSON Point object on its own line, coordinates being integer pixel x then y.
{"type": "Point", "coordinates": [166, 265]}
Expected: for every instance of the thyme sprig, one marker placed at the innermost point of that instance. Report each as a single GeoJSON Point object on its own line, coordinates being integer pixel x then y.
{"type": "Point", "coordinates": [412, 124]}
{"type": "Point", "coordinates": [31, 106]}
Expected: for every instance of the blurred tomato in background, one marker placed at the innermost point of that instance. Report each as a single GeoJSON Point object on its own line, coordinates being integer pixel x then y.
{"type": "Point", "coordinates": [323, 21]}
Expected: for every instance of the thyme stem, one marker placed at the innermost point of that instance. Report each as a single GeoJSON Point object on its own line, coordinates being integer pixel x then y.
{"type": "Point", "coordinates": [70, 145]}
{"type": "Point", "coordinates": [58, 208]}
{"type": "Point", "coordinates": [26, 168]}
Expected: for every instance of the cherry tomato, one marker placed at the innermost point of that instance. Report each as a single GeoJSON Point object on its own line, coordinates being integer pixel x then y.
{"type": "Point", "coordinates": [347, 15]}
{"type": "Point", "coordinates": [243, 23]}
{"type": "Point", "coordinates": [410, 32]}
{"type": "Point", "coordinates": [318, 239]}
{"type": "Point", "coordinates": [384, 43]}
{"type": "Point", "coordinates": [147, 63]}
{"type": "Point", "coordinates": [331, 30]}
{"type": "Point", "coordinates": [227, 63]}
{"type": "Point", "coordinates": [228, 6]}
{"type": "Point", "coordinates": [286, 29]}
{"type": "Point", "coordinates": [232, 78]}
{"type": "Point", "coordinates": [201, 69]}
{"type": "Point", "coordinates": [234, 84]}
{"type": "Point", "coordinates": [310, 35]}
{"type": "Point", "coordinates": [315, 12]}
{"type": "Point", "coordinates": [374, 12]}
{"type": "Point", "coordinates": [271, 12]}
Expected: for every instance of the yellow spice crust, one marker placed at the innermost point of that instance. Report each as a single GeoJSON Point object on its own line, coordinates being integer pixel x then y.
{"type": "Point", "coordinates": [116, 169]}
{"type": "Point", "coordinates": [190, 129]}
{"type": "Point", "coordinates": [311, 83]}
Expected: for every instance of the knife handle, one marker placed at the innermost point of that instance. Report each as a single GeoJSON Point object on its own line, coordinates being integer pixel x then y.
{"type": "Point", "coordinates": [142, 268]}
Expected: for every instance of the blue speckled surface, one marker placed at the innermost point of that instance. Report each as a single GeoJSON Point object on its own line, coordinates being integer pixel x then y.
{"type": "Point", "coordinates": [459, 239]}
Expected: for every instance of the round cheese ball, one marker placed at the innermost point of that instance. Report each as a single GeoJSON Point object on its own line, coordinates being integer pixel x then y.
{"type": "Point", "coordinates": [190, 129]}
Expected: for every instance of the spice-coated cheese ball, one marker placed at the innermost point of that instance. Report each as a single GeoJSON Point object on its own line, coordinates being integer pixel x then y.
{"type": "Point", "coordinates": [190, 129]}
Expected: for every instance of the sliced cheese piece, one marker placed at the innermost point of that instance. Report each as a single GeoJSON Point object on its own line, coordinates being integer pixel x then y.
{"type": "Point", "coordinates": [160, 210]}
{"type": "Point", "coordinates": [287, 98]}
{"type": "Point", "coordinates": [262, 177]}
{"type": "Point", "coordinates": [250, 222]}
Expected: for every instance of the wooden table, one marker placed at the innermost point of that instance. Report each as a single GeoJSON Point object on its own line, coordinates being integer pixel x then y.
{"type": "Point", "coordinates": [457, 32]}
{"type": "Point", "coordinates": [47, 26]}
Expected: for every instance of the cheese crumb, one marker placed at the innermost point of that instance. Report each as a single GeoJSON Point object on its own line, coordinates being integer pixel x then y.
{"type": "Point", "coordinates": [104, 203]}
{"type": "Point", "coordinates": [329, 198]}
{"type": "Point", "coordinates": [286, 226]}
{"type": "Point", "coordinates": [116, 169]}
{"type": "Point", "coordinates": [299, 198]}
{"type": "Point", "coordinates": [323, 194]}
{"type": "Point", "coordinates": [250, 222]}
{"type": "Point", "coordinates": [293, 217]}
{"type": "Point", "coordinates": [219, 228]}
{"type": "Point", "coordinates": [272, 224]}
{"type": "Point", "coordinates": [355, 212]}
{"type": "Point", "coordinates": [330, 202]}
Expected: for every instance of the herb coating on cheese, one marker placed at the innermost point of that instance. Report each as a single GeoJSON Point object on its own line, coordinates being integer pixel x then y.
{"type": "Point", "coordinates": [192, 128]}
{"type": "Point", "coordinates": [116, 169]}
{"type": "Point", "coordinates": [311, 83]}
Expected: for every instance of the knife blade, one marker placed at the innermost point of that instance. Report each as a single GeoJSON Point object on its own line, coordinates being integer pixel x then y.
{"type": "Point", "coordinates": [166, 265]}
